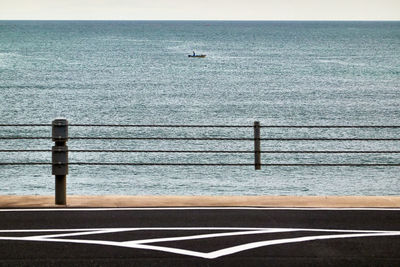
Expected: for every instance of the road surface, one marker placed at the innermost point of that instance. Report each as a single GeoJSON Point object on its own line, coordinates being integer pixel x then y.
{"type": "Point", "coordinates": [200, 237]}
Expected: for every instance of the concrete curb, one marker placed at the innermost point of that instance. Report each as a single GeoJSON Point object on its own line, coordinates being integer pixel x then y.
{"type": "Point", "coordinates": [204, 201]}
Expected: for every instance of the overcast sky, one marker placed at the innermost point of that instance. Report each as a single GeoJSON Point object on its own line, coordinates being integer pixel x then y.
{"type": "Point", "coordinates": [200, 9]}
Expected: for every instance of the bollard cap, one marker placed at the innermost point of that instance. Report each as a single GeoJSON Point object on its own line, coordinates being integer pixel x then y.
{"type": "Point", "coordinates": [60, 122]}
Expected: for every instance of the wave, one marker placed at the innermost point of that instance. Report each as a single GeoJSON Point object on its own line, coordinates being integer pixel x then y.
{"type": "Point", "coordinates": [340, 62]}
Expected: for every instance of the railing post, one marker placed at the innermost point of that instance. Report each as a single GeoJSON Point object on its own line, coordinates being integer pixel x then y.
{"type": "Point", "coordinates": [257, 146]}
{"type": "Point", "coordinates": [60, 159]}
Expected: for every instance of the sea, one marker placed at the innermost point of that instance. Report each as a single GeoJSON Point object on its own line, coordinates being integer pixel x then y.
{"type": "Point", "coordinates": [280, 73]}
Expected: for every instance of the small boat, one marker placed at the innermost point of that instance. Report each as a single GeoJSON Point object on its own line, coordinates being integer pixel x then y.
{"type": "Point", "coordinates": [197, 56]}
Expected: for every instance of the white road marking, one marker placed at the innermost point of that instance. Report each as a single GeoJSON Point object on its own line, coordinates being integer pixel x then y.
{"type": "Point", "coordinates": [80, 233]}
{"type": "Point", "coordinates": [144, 243]}
{"type": "Point", "coordinates": [191, 237]}
{"type": "Point", "coordinates": [134, 228]}
{"type": "Point", "coordinates": [248, 246]}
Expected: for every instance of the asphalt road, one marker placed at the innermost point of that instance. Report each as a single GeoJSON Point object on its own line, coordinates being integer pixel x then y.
{"type": "Point", "coordinates": [199, 237]}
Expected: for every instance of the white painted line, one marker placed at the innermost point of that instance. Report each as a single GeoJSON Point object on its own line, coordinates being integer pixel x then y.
{"type": "Point", "coordinates": [190, 208]}
{"type": "Point", "coordinates": [191, 237]}
{"type": "Point", "coordinates": [172, 250]}
{"type": "Point", "coordinates": [248, 246]}
{"type": "Point", "coordinates": [144, 243]}
{"type": "Point", "coordinates": [106, 231]}
{"type": "Point", "coordinates": [82, 230]}
{"type": "Point", "coordinates": [134, 229]}
{"type": "Point", "coordinates": [48, 230]}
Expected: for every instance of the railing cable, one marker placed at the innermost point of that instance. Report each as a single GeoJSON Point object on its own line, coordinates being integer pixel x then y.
{"type": "Point", "coordinates": [212, 151]}
{"type": "Point", "coordinates": [206, 126]}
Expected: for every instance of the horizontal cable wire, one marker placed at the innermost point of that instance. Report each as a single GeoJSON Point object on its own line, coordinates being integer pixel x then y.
{"type": "Point", "coordinates": [238, 164]}
{"type": "Point", "coordinates": [203, 138]}
{"type": "Point", "coordinates": [329, 139]}
{"type": "Point", "coordinates": [162, 151]}
{"type": "Point", "coordinates": [161, 164]}
{"type": "Point", "coordinates": [235, 151]}
{"type": "Point", "coordinates": [215, 164]}
{"type": "Point", "coordinates": [25, 125]}
{"type": "Point", "coordinates": [25, 163]}
{"type": "Point", "coordinates": [330, 152]}
{"type": "Point", "coordinates": [24, 137]}
{"type": "Point", "coordinates": [233, 126]}
{"type": "Point", "coordinates": [332, 126]}
{"type": "Point", "coordinates": [213, 151]}
{"type": "Point", "coordinates": [161, 126]}
{"type": "Point", "coordinates": [333, 164]}
{"type": "Point", "coordinates": [238, 151]}
{"type": "Point", "coordinates": [232, 139]}
{"type": "Point", "coordinates": [203, 126]}
{"type": "Point", "coordinates": [164, 138]}
{"type": "Point", "coordinates": [25, 150]}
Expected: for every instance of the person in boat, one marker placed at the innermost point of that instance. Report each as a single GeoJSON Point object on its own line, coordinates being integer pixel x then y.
{"type": "Point", "coordinates": [194, 54]}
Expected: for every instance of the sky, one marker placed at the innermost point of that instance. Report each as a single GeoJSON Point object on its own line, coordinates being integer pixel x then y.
{"type": "Point", "coordinates": [199, 9]}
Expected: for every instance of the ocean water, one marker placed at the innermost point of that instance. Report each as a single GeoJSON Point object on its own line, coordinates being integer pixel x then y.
{"type": "Point", "coordinates": [138, 72]}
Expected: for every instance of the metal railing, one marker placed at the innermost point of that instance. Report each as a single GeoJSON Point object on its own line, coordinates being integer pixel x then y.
{"type": "Point", "coordinates": [60, 163]}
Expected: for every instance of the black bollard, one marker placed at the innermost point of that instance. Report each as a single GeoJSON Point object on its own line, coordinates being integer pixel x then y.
{"type": "Point", "coordinates": [60, 159]}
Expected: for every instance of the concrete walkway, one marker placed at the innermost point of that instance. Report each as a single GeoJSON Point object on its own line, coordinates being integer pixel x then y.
{"type": "Point", "coordinates": [7, 201]}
